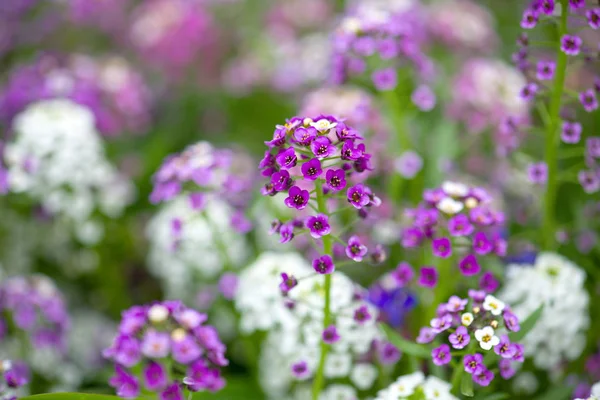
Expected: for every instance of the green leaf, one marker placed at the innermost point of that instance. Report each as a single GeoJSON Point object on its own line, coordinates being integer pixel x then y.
{"type": "Point", "coordinates": [71, 396]}
{"type": "Point", "coordinates": [527, 325]}
{"type": "Point", "coordinates": [456, 378]}
{"type": "Point", "coordinates": [414, 349]}
{"type": "Point", "coordinates": [466, 385]}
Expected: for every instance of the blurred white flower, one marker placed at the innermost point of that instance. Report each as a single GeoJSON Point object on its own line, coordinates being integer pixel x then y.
{"type": "Point", "coordinates": [558, 284]}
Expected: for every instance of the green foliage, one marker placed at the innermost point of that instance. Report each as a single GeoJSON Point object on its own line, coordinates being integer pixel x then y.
{"type": "Point", "coordinates": [414, 349]}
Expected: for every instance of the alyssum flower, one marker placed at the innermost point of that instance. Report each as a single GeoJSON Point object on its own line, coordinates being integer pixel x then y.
{"type": "Point", "coordinates": [474, 324]}
{"type": "Point", "coordinates": [166, 348]}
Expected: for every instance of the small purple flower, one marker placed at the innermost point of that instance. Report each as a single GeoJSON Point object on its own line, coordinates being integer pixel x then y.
{"type": "Point", "coordinates": [362, 314]}
{"type": "Point", "coordinates": [305, 135]}
{"type": "Point", "coordinates": [483, 377]}
{"type": "Point", "coordinates": [473, 363]}
{"type": "Point", "coordinates": [456, 304]}
{"type": "Point", "coordinates": [228, 284]}
{"type": "Point", "coordinates": [570, 44]}
{"type": "Point", "coordinates": [576, 4]}
{"type": "Point", "coordinates": [378, 255]}
{"type": "Point", "coordinates": [442, 247]}
{"type": "Point", "coordinates": [185, 349]}
{"type": "Point", "coordinates": [288, 282]}
{"type": "Point", "coordinates": [545, 70]}
{"type": "Point", "coordinates": [428, 277]}
{"type": "Point", "coordinates": [330, 335]}
{"type": "Point", "coordinates": [311, 169]}
{"type": "Point", "coordinates": [278, 137]}
{"type": "Point", "coordinates": [287, 158]}
{"type": "Point", "coordinates": [172, 392]}
{"type": "Point", "coordinates": [547, 6]}
{"type": "Point", "coordinates": [519, 353]}
{"type": "Point", "coordinates": [571, 132]}
{"type": "Point", "coordinates": [589, 180]}
{"type": "Point", "coordinates": [155, 376]}
{"type": "Point", "coordinates": [365, 46]}
{"type": "Point", "coordinates": [593, 17]}
{"type": "Point", "coordinates": [481, 244]}
{"type": "Point", "coordinates": [538, 173]}
{"type": "Point", "coordinates": [358, 196]}
{"type": "Point", "coordinates": [322, 147]}
{"type": "Point", "coordinates": [426, 335]}
{"type": "Point", "coordinates": [505, 348]}
{"type": "Point", "coordinates": [297, 198]}
{"type": "Point", "coordinates": [529, 20]}
{"type": "Point", "coordinates": [424, 98]}
{"type": "Point", "coordinates": [412, 237]}
{"type": "Point", "coordinates": [403, 274]}
{"type": "Point", "coordinates": [335, 179]}
{"type": "Point", "coordinates": [323, 265]}
{"type": "Point", "coordinates": [197, 201]}
{"type": "Point", "coordinates": [441, 324]}
{"type": "Point", "coordinates": [589, 100]}
{"type": "Point", "coordinates": [488, 282]}
{"type": "Point", "coordinates": [478, 296]}
{"type": "Point", "coordinates": [408, 164]}
{"type": "Point", "coordinates": [155, 344]}
{"type": "Point", "coordinates": [385, 79]}
{"type": "Point", "coordinates": [17, 375]}
{"type": "Point", "coordinates": [318, 225]}
{"type": "Point", "coordinates": [355, 250]}
{"type": "Point", "coordinates": [388, 48]}
{"type": "Point", "coordinates": [506, 369]}
{"type": "Point", "coordinates": [286, 231]}
{"type": "Point", "coordinates": [469, 265]}
{"type": "Point", "coordinates": [300, 370]}
{"type": "Point", "coordinates": [459, 225]}
{"type": "Point", "coordinates": [529, 91]}
{"type": "Point", "coordinates": [281, 180]}
{"type": "Point", "coordinates": [460, 338]}
{"type": "Point", "coordinates": [126, 385]}
{"type": "Point", "coordinates": [441, 355]}
{"type": "Point", "coordinates": [511, 321]}
{"type": "Point", "coordinates": [388, 353]}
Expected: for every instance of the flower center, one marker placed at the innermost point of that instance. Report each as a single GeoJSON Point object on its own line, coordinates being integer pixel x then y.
{"type": "Point", "coordinates": [486, 338]}
{"type": "Point", "coordinates": [335, 181]}
{"type": "Point", "coordinates": [318, 225]}
{"type": "Point", "coordinates": [312, 171]}
{"type": "Point", "coordinates": [356, 197]}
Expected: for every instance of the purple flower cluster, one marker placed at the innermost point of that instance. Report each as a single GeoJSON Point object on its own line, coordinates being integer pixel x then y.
{"type": "Point", "coordinates": [590, 178]}
{"type": "Point", "coordinates": [35, 306]}
{"type": "Point", "coordinates": [202, 171]}
{"type": "Point", "coordinates": [13, 376]}
{"type": "Point", "coordinates": [471, 324]}
{"type": "Point", "coordinates": [312, 159]}
{"type": "Point", "coordinates": [396, 40]}
{"type": "Point", "coordinates": [166, 348]}
{"type": "Point", "coordinates": [456, 220]}
{"type": "Point", "coordinates": [109, 87]}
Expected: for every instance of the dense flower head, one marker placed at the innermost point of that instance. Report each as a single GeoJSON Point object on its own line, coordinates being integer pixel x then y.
{"type": "Point", "coordinates": [395, 36]}
{"type": "Point", "coordinates": [474, 320]}
{"type": "Point", "coordinates": [484, 93]}
{"type": "Point", "coordinates": [558, 284]}
{"type": "Point", "coordinates": [159, 26]}
{"type": "Point", "coordinates": [204, 172]}
{"type": "Point", "coordinates": [35, 306]}
{"type": "Point", "coordinates": [294, 319]}
{"type": "Point", "coordinates": [459, 220]}
{"type": "Point", "coordinates": [165, 347]}
{"type": "Point", "coordinates": [189, 245]}
{"type": "Point", "coordinates": [109, 87]}
{"type": "Point", "coordinates": [57, 159]}
{"type": "Point", "coordinates": [416, 385]}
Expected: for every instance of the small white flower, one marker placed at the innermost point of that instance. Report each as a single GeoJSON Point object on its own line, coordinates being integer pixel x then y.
{"type": "Point", "coordinates": [455, 189]}
{"type": "Point", "coordinates": [158, 313]}
{"type": "Point", "coordinates": [437, 389]}
{"type": "Point", "coordinates": [351, 25]}
{"type": "Point", "coordinates": [338, 365]}
{"type": "Point", "coordinates": [406, 385]}
{"type": "Point", "coordinates": [486, 338]}
{"type": "Point", "coordinates": [323, 125]}
{"type": "Point", "coordinates": [471, 202]}
{"type": "Point", "coordinates": [450, 206]}
{"type": "Point", "coordinates": [466, 319]}
{"type": "Point", "coordinates": [363, 375]}
{"type": "Point", "coordinates": [493, 305]}
{"type": "Point", "coordinates": [338, 392]}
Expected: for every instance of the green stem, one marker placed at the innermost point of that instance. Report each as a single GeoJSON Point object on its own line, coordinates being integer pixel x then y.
{"type": "Point", "coordinates": [552, 137]}
{"type": "Point", "coordinates": [327, 249]}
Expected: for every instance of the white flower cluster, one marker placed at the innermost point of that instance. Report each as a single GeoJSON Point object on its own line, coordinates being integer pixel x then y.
{"type": "Point", "coordinates": [296, 330]}
{"type": "Point", "coordinates": [595, 393]}
{"type": "Point", "coordinates": [558, 284]}
{"type": "Point", "coordinates": [57, 158]}
{"type": "Point", "coordinates": [417, 386]}
{"type": "Point", "coordinates": [187, 245]}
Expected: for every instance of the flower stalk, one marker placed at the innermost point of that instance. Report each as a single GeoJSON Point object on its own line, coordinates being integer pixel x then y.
{"type": "Point", "coordinates": [552, 135]}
